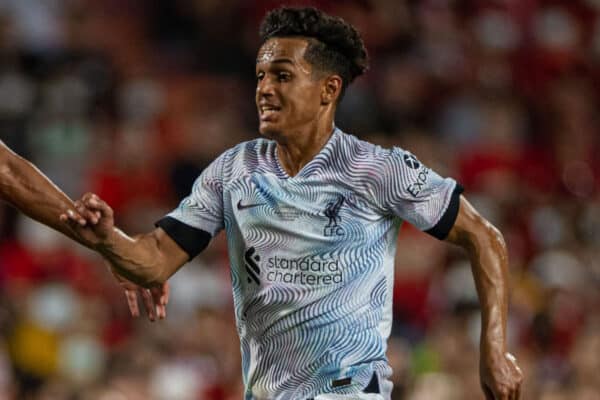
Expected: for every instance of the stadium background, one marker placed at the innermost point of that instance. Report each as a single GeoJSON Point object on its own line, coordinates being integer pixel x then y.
{"type": "Point", "coordinates": [131, 99]}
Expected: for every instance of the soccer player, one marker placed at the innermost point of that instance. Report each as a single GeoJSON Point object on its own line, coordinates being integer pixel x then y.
{"type": "Point", "coordinates": [312, 215]}
{"type": "Point", "coordinates": [24, 187]}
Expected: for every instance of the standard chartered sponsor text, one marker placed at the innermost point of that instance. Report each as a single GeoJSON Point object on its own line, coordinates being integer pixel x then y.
{"type": "Point", "coordinates": [304, 271]}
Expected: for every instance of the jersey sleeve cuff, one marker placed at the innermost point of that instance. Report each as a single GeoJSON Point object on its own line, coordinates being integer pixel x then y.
{"type": "Point", "coordinates": [191, 240]}
{"type": "Point", "coordinates": [445, 224]}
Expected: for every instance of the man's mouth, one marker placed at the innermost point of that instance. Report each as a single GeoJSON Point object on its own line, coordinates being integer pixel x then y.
{"type": "Point", "coordinates": [268, 111]}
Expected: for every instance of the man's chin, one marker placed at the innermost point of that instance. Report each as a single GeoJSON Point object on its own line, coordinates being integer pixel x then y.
{"type": "Point", "coordinates": [268, 130]}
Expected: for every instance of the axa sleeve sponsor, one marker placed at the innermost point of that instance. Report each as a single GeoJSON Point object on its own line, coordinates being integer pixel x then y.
{"type": "Point", "coordinates": [408, 189]}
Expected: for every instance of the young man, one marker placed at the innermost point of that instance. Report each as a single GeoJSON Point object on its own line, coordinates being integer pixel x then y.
{"type": "Point", "coordinates": [24, 187]}
{"type": "Point", "coordinates": [312, 215]}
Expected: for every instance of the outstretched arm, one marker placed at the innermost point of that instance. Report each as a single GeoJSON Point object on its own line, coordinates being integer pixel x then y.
{"type": "Point", "coordinates": [500, 376]}
{"type": "Point", "coordinates": [24, 187]}
{"type": "Point", "coordinates": [148, 259]}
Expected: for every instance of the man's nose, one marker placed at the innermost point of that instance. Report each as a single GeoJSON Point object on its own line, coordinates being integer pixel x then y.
{"type": "Point", "coordinates": [264, 87]}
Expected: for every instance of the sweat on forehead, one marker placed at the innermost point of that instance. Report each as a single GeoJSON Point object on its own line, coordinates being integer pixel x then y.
{"type": "Point", "coordinates": [281, 48]}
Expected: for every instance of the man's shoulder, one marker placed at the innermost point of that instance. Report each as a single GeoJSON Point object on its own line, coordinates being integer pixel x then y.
{"type": "Point", "coordinates": [355, 149]}
{"type": "Point", "coordinates": [254, 148]}
{"type": "Point", "coordinates": [246, 157]}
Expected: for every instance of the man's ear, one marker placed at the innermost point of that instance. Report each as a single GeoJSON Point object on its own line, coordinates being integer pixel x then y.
{"type": "Point", "coordinates": [332, 89]}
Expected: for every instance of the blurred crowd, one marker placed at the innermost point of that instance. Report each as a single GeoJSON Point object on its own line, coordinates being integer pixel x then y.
{"type": "Point", "coordinates": [131, 99]}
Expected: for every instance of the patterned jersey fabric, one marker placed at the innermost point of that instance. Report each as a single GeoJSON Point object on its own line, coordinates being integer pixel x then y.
{"type": "Point", "coordinates": [312, 257]}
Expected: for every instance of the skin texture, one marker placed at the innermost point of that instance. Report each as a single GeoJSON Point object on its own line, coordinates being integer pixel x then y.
{"type": "Point", "coordinates": [147, 260]}
{"type": "Point", "coordinates": [296, 107]}
{"type": "Point", "coordinates": [24, 187]}
{"type": "Point", "coordinates": [500, 376]}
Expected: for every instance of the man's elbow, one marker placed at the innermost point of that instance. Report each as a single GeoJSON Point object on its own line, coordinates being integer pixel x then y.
{"type": "Point", "coordinates": [497, 238]}
{"type": "Point", "coordinates": [480, 235]}
{"type": "Point", "coordinates": [490, 238]}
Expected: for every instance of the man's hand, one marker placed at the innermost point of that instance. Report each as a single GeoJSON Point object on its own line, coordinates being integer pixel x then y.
{"type": "Point", "coordinates": [155, 299]}
{"type": "Point", "coordinates": [500, 376]}
{"type": "Point", "coordinates": [95, 222]}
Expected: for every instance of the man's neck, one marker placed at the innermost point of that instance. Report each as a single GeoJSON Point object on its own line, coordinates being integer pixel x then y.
{"type": "Point", "coordinates": [297, 150]}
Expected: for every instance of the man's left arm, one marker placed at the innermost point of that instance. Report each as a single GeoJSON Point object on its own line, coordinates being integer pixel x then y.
{"type": "Point", "coordinates": [499, 373]}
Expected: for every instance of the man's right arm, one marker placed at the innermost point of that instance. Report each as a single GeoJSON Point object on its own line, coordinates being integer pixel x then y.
{"type": "Point", "coordinates": [148, 259]}
{"type": "Point", "coordinates": [152, 258]}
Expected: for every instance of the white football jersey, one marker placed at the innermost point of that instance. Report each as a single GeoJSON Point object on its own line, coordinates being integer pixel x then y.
{"type": "Point", "coordinates": [312, 257]}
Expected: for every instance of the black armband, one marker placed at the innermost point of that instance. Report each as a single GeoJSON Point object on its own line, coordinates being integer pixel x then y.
{"type": "Point", "coordinates": [191, 240]}
{"type": "Point", "coordinates": [445, 224]}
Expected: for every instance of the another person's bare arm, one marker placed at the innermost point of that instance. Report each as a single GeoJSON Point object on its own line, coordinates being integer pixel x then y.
{"type": "Point", "coordinates": [500, 375]}
{"type": "Point", "coordinates": [26, 188]}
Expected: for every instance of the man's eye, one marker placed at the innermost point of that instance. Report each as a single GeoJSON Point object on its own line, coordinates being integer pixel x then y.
{"type": "Point", "coordinates": [284, 76]}
{"type": "Point", "coordinates": [260, 77]}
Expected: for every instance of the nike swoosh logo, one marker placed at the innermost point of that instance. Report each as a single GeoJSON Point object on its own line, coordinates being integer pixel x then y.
{"type": "Point", "coordinates": [241, 206]}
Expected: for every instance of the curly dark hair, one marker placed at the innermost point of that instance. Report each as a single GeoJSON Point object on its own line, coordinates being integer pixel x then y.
{"type": "Point", "coordinates": [334, 45]}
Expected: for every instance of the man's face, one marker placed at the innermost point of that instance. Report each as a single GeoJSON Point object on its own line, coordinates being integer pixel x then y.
{"type": "Point", "coordinates": [288, 98]}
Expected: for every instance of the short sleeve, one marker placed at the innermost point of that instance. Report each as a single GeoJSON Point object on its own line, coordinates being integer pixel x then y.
{"type": "Point", "coordinates": [410, 190]}
{"type": "Point", "coordinates": [199, 216]}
